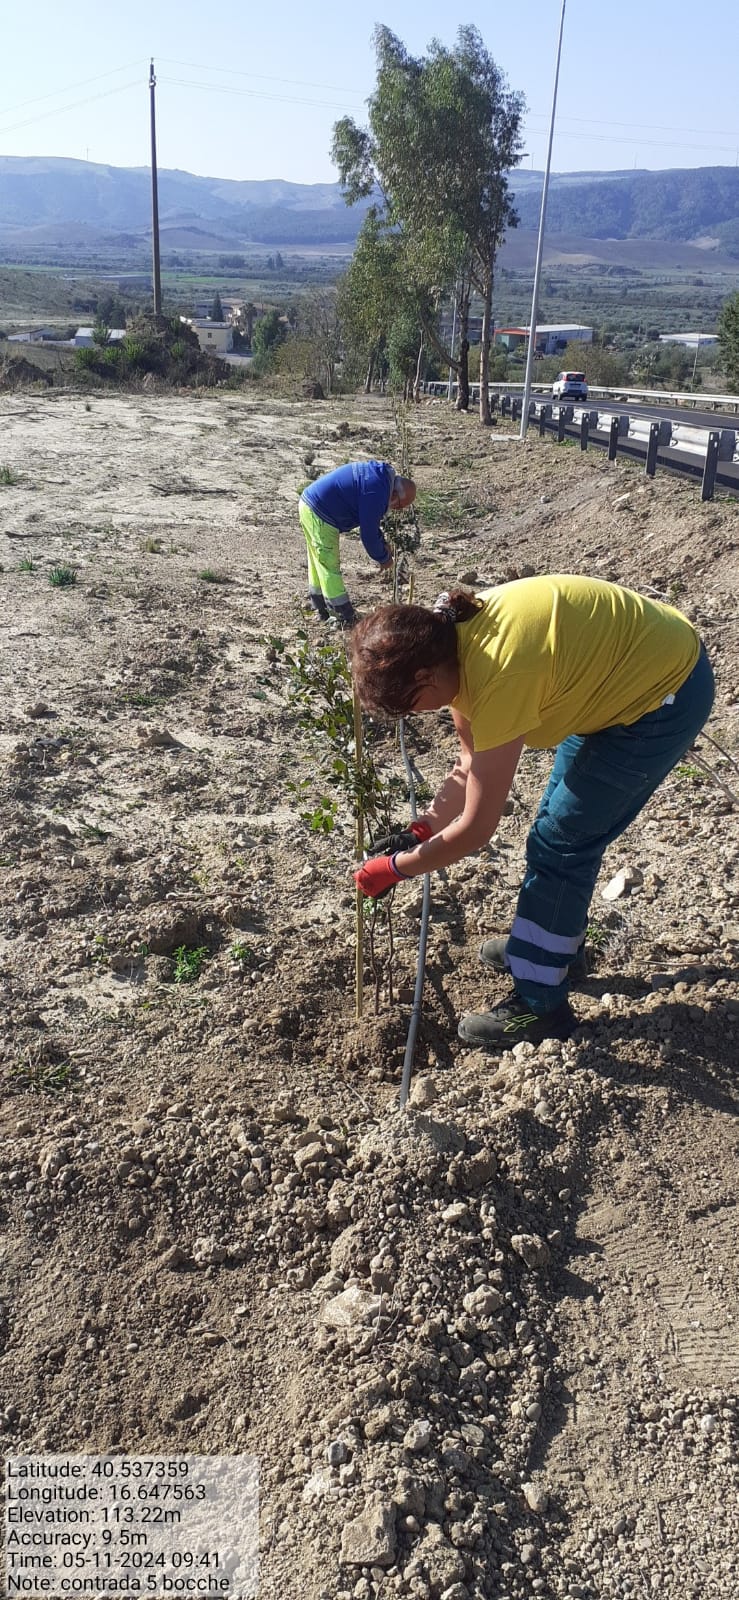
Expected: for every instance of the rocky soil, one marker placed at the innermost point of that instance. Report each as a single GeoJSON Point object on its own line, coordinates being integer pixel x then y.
{"type": "Point", "coordinates": [485, 1349]}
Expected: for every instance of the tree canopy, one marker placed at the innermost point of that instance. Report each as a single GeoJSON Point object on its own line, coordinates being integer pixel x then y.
{"type": "Point", "coordinates": [728, 338]}
{"type": "Point", "coordinates": [444, 131]}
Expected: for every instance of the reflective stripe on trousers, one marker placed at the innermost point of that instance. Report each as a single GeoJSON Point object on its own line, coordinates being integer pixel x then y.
{"type": "Point", "coordinates": [597, 787]}
{"type": "Point", "coordinates": [322, 544]}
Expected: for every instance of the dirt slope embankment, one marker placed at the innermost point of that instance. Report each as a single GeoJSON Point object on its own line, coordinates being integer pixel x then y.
{"type": "Point", "coordinates": [486, 1350]}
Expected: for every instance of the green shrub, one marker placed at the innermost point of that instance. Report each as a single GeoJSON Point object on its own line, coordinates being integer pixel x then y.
{"type": "Point", "coordinates": [63, 577]}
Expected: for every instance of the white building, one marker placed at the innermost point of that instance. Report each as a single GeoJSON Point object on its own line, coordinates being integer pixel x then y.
{"type": "Point", "coordinates": [551, 337]}
{"type": "Point", "coordinates": [84, 337]}
{"type": "Point", "coordinates": [693, 341]}
{"type": "Point", "coordinates": [215, 338]}
{"type": "Point", "coordinates": [33, 336]}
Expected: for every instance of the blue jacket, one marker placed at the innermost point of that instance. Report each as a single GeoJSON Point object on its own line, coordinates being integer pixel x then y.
{"type": "Point", "coordinates": [355, 496]}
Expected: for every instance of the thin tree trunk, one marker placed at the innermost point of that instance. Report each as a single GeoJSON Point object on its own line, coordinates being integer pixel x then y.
{"type": "Point", "coordinates": [487, 317]}
{"type": "Point", "coordinates": [463, 374]}
{"type": "Point", "coordinates": [370, 373]}
{"type": "Point", "coordinates": [420, 363]}
{"type": "Point", "coordinates": [463, 377]}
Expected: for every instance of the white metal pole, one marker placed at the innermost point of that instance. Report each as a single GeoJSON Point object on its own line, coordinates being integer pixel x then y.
{"type": "Point", "coordinates": [540, 242]}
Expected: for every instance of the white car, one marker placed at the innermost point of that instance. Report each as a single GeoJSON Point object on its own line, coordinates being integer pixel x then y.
{"type": "Point", "coordinates": [570, 386]}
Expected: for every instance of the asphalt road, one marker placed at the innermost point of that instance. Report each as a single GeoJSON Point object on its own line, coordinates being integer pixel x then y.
{"type": "Point", "coordinates": [671, 413]}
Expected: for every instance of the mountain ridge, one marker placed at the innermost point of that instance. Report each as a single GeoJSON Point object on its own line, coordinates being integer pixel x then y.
{"type": "Point", "coordinates": [674, 204]}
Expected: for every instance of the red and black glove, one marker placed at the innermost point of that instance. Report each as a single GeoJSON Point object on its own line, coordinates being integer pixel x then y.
{"type": "Point", "coordinates": [380, 872]}
{"type": "Point", "coordinates": [377, 876]}
{"type": "Point", "coordinates": [400, 839]}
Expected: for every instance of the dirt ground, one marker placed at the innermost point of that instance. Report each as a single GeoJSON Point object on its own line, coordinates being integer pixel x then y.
{"type": "Point", "coordinates": [486, 1349]}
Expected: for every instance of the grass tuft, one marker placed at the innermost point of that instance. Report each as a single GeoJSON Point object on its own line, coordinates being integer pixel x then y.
{"type": "Point", "coordinates": [209, 576]}
{"type": "Point", "coordinates": [63, 577]}
{"type": "Point", "coordinates": [188, 962]}
{"type": "Point", "coordinates": [44, 1077]}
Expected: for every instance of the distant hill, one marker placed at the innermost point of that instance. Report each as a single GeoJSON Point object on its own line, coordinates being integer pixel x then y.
{"type": "Point", "coordinates": [54, 193]}
{"type": "Point", "coordinates": [699, 203]}
{"type": "Point", "coordinates": [53, 199]}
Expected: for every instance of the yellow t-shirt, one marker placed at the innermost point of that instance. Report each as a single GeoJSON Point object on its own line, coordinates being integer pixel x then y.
{"type": "Point", "coordinates": [548, 657]}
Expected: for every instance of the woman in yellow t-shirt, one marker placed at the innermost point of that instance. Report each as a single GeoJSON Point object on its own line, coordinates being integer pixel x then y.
{"type": "Point", "coordinates": [620, 684]}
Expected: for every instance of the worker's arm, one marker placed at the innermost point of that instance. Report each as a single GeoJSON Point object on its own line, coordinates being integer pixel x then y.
{"type": "Point", "coordinates": [448, 802]}
{"type": "Point", "coordinates": [373, 503]}
{"type": "Point", "coordinates": [481, 781]}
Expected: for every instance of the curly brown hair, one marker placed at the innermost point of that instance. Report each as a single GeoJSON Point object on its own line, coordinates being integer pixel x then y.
{"type": "Point", "coordinates": [398, 648]}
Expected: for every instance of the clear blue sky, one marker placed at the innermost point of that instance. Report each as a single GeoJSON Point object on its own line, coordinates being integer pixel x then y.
{"type": "Point", "coordinates": [252, 91]}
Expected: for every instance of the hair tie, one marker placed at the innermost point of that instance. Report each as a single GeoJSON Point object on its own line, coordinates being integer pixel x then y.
{"type": "Point", "coordinates": [444, 607]}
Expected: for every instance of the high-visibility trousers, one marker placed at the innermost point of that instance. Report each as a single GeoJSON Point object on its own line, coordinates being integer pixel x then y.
{"type": "Point", "coordinates": [322, 544]}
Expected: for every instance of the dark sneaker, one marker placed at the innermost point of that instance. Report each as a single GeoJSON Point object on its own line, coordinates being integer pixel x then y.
{"type": "Point", "coordinates": [493, 954]}
{"type": "Point", "coordinates": [513, 1022]}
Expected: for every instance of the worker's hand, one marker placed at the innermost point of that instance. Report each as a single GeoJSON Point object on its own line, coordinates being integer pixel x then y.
{"type": "Point", "coordinates": [377, 876]}
{"type": "Point", "coordinates": [400, 839]}
{"type": "Point", "coordinates": [386, 565]}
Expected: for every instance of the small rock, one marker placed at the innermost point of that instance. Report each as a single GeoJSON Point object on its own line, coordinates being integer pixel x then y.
{"type": "Point", "coordinates": [627, 879]}
{"type": "Point", "coordinates": [352, 1308]}
{"type": "Point", "coordinates": [156, 738]}
{"type": "Point", "coordinates": [436, 1560]}
{"type": "Point", "coordinates": [175, 1257]}
{"type": "Point", "coordinates": [337, 1453]}
{"type": "Point", "coordinates": [38, 709]}
{"type": "Point", "coordinates": [481, 1169]}
{"type": "Point", "coordinates": [418, 1437]}
{"type": "Point", "coordinates": [622, 502]}
{"type": "Point", "coordinates": [531, 1248]}
{"type": "Point", "coordinates": [377, 1423]}
{"type": "Point", "coordinates": [318, 1485]}
{"type": "Point", "coordinates": [369, 1539]}
{"type": "Point", "coordinates": [53, 1159]}
{"type": "Point", "coordinates": [423, 1093]}
{"type": "Point", "coordinates": [536, 1498]}
{"type": "Point", "coordinates": [483, 1302]}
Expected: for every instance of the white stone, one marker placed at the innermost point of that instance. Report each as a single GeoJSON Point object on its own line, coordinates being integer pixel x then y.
{"type": "Point", "coordinates": [627, 879]}
{"type": "Point", "coordinates": [350, 1309]}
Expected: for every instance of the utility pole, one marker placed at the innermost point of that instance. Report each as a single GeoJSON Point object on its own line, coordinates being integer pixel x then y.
{"type": "Point", "coordinates": [154, 197]}
{"type": "Point", "coordinates": [540, 243]}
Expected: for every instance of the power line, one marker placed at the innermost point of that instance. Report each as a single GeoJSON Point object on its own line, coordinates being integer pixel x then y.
{"type": "Point", "coordinates": [262, 77]}
{"type": "Point", "coordinates": [656, 127]}
{"type": "Point", "coordinates": [650, 144]}
{"type": "Point", "coordinates": [69, 87]}
{"type": "Point", "coordinates": [106, 95]}
{"type": "Point", "coordinates": [251, 94]}
{"type": "Point", "coordinates": [304, 83]}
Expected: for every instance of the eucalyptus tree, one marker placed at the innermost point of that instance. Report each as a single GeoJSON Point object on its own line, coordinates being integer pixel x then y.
{"type": "Point", "coordinates": [728, 338]}
{"type": "Point", "coordinates": [444, 132]}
